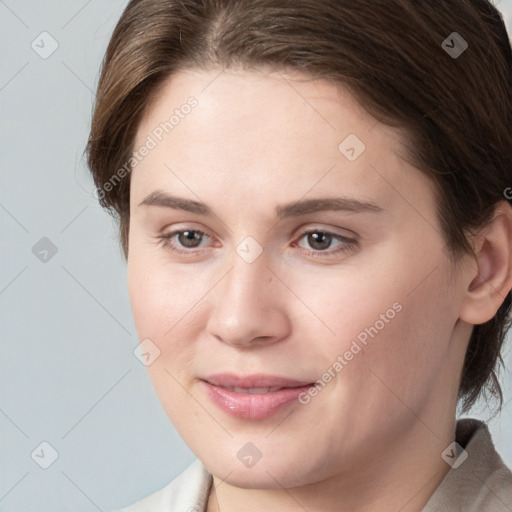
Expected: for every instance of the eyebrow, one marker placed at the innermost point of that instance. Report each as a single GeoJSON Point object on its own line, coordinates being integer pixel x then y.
{"type": "Point", "coordinates": [293, 209]}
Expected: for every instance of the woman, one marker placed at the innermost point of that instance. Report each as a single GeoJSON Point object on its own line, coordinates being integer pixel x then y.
{"type": "Point", "coordinates": [312, 204]}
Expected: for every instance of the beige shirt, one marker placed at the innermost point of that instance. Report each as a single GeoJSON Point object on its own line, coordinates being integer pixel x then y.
{"type": "Point", "coordinates": [482, 483]}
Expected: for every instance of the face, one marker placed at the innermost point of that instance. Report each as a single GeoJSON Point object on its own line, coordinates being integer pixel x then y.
{"type": "Point", "coordinates": [288, 275]}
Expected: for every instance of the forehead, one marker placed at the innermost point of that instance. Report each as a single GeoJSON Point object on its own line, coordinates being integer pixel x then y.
{"type": "Point", "coordinates": [265, 132]}
{"type": "Point", "coordinates": [261, 101]}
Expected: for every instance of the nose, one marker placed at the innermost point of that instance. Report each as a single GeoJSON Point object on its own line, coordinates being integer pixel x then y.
{"type": "Point", "coordinates": [249, 305]}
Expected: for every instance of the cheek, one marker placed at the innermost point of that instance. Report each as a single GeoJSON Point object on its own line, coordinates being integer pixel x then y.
{"type": "Point", "coordinates": [169, 311]}
{"type": "Point", "coordinates": [405, 352]}
{"type": "Point", "coordinates": [344, 304]}
{"type": "Point", "coordinates": [163, 312]}
{"type": "Point", "coordinates": [162, 299]}
{"type": "Point", "coordinates": [395, 319]}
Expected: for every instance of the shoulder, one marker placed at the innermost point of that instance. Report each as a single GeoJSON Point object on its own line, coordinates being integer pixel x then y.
{"type": "Point", "coordinates": [188, 492]}
{"type": "Point", "coordinates": [479, 480]}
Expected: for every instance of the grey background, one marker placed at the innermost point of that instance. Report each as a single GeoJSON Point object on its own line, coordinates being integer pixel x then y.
{"type": "Point", "coordinates": [68, 373]}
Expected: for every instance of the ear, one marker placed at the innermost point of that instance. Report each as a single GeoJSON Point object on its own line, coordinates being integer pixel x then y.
{"type": "Point", "coordinates": [490, 271]}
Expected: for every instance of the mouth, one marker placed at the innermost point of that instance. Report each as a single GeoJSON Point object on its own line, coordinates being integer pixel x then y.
{"type": "Point", "coordinates": [253, 397]}
{"type": "Point", "coordinates": [252, 391]}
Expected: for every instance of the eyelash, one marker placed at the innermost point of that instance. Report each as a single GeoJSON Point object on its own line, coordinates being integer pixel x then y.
{"type": "Point", "coordinates": [349, 244]}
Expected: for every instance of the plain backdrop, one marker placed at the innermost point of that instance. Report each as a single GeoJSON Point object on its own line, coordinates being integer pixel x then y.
{"type": "Point", "coordinates": [69, 378]}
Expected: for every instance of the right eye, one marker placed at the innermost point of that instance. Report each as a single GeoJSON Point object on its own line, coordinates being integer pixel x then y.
{"type": "Point", "coordinates": [182, 241]}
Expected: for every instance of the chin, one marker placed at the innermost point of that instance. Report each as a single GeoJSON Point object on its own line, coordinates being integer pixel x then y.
{"type": "Point", "coordinates": [268, 473]}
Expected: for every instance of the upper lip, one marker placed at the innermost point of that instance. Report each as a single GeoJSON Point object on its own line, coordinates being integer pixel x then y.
{"type": "Point", "coordinates": [228, 380]}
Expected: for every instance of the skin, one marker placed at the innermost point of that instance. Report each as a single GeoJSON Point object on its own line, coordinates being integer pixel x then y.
{"type": "Point", "coordinates": [372, 439]}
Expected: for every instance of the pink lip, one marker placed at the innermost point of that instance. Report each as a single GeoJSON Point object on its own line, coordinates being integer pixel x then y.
{"type": "Point", "coordinates": [253, 405]}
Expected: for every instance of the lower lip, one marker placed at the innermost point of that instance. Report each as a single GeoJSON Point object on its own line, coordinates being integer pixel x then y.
{"type": "Point", "coordinates": [253, 406]}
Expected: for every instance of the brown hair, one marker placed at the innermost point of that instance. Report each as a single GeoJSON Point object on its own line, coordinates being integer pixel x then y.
{"type": "Point", "coordinates": [393, 55]}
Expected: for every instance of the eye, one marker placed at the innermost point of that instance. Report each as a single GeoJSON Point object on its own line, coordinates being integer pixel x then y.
{"type": "Point", "coordinates": [320, 240]}
{"type": "Point", "coordinates": [186, 238]}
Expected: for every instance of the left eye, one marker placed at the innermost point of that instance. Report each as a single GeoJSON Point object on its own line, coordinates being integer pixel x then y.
{"type": "Point", "coordinates": [320, 240]}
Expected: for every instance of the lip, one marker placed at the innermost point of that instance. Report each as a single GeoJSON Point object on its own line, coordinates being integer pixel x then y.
{"type": "Point", "coordinates": [254, 406]}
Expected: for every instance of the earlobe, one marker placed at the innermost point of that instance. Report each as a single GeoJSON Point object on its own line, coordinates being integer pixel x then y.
{"type": "Point", "coordinates": [490, 271]}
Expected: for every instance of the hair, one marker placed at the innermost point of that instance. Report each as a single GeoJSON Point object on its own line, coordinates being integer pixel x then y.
{"type": "Point", "coordinates": [455, 110]}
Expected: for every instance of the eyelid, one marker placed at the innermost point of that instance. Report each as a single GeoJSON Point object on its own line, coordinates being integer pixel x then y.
{"type": "Point", "coordinates": [331, 230]}
{"type": "Point", "coordinates": [177, 228]}
{"type": "Point", "coordinates": [326, 232]}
